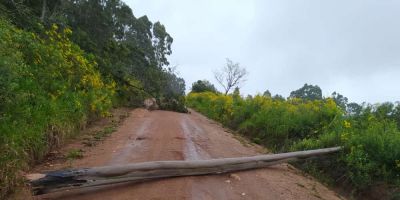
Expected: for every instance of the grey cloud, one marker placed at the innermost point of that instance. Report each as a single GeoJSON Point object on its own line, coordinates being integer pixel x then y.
{"type": "Point", "coordinates": [352, 47]}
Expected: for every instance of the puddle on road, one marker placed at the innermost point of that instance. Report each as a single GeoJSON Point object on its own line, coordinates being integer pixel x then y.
{"type": "Point", "coordinates": [193, 151]}
{"type": "Point", "coordinates": [192, 132]}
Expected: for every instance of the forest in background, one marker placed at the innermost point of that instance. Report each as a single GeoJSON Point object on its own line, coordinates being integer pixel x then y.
{"type": "Point", "coordinates": [370, 134]}
{"type": "Point", "coordinates": [64, 63]}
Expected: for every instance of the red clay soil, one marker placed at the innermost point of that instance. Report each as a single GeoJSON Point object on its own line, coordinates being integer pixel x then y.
{"type": "Point", "coordinates": [163, 135]}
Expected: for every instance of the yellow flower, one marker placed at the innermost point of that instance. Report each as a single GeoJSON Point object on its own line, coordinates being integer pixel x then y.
{"type": "Point", "coordinates": [344, 136]}
{"type": "Point", "coordinates": [54, 27]}
{"type": "Point", "coordinates": [397, 163]}
{"type": "Point", "coordinates": [346, 124]}
{"type": "Point", "coordinates": [67, 31]}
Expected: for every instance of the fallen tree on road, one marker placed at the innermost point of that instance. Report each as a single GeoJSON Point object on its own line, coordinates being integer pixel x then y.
{"type": "Point", "coordinates": [54, 181]}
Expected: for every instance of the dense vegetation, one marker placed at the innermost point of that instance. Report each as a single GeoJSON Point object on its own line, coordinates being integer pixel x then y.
{"type": "Point", "coordinates": [64, 63]}
{"type": "Point", "coordinates": [370, 134]}
{"type": "Point", "coordinates": [203, 86]}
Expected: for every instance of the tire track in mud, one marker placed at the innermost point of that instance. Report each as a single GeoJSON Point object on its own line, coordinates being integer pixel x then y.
{"type": "Point", "coordinates": [137, 139]}
{"type": "Point", "coordinates": [196, 142]}
{"type": "Point", "coordinates": [192, 134]}
{"type": "Point", "coordinates": [162, 135]}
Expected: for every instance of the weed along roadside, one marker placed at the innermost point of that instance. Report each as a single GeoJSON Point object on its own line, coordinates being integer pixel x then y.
{"type": "Point", "coordinates": [75, 147]}
{"type": "Point", "coordinates": [94, 137]}
{"type": "Point", "coordinates": [371, 141]}
{"type": "Point", "coordinates": [95, 133]}
{"type": "Point", "coordinates": [72, 70]}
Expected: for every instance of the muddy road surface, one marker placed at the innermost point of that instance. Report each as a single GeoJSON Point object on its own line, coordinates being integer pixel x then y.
{"type": "Point", "coordinates": [163, 135]}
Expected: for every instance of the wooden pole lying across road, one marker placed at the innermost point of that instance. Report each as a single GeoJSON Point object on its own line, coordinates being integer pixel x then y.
{"type": "Point", "coordinates": [54, 181]}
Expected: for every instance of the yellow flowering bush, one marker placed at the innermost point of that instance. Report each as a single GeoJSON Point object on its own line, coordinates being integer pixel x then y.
{"type": "Point", "coordinates": [371, 145]}
{"type": "Point", "coordinates": [272, 122]}
{"type": "Point", "coordinates": [48, 88]}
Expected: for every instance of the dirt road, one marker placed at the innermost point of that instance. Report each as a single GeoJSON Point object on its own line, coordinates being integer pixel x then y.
{"type": "Point", "coordinates": [162, 135]}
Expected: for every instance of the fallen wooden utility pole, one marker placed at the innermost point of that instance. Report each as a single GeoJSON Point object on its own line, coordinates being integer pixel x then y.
{"type": "Point", "coordinates": [54, 181]}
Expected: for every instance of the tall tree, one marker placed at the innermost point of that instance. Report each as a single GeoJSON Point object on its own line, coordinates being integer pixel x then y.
{"type": "Point", "coordinates": [354, 109]}
{"type": "Point", "coordinates": [385, 110]}
{"type": "Point", "coordinates": [236, 92]}
{"type": "Point", "coordinates": [203, 86]}
{"type": "Point", "coordinates": [267, 93]}
{"type": "Point", "coordinates": [396, 114]}
{"type": "Point", "coordinates": [132, 51]}
{"type": "Point", "coordinates": [307, 92]}
{"type": "Point", "coordinates": [278, 97]}
{"type": "Point", "coordinates": [340, 100]}
{"type": "Point", "coordinates": [230, 76]}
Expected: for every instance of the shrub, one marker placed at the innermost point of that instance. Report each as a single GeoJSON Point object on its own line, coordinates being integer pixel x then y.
{"type": "Point", "coordinates": [49, 88]}
{"type": "Point", "coordinates": [272, 122]}
{"type": "Point", "coordinates": [371, 140]}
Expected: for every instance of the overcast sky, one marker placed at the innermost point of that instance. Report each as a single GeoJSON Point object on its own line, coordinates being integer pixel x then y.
{"type": "Point", "coordinates": [352, 47]}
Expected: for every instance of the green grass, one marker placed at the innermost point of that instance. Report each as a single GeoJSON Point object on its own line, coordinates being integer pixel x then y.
{"type": "Point", "coordinates": [74, 154]}
{"type": "Point", "coordinates": [105, 132]}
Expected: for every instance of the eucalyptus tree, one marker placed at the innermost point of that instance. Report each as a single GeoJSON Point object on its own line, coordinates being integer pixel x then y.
{"type": "Point", "coordinates": [131, 51]}
{"type": "Point", "coordinates": [203, 86]}
{"type": "Point", "coordinates": [307, 92]}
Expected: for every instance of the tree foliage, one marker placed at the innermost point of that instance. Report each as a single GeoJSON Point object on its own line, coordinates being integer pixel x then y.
{"type": "Point", "coordinates": [307, 92]}
{"type": "Point", "coordinates": [132, 51]}
{"type": "Point", "coordinates": [203, 86]}
{"type": "Point", "coordinates": [340, 100]}
{"type": "Point", "coordinates": [267, 93]}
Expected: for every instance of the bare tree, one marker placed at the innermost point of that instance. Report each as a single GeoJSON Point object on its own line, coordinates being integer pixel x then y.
{"type": "Point", "coordinates": [231, 75]}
